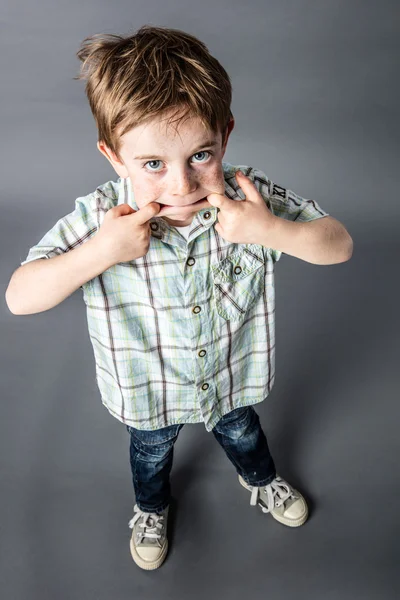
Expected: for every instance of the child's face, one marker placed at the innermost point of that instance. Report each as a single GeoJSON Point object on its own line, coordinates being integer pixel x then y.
{"type": "Point", "coordinates": [181, 168]}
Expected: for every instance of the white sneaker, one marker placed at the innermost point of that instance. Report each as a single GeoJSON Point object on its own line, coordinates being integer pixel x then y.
{"type": "Point", "coordinates": [149, 543]}
{"type": "Point", "coordinates": [284, 502]}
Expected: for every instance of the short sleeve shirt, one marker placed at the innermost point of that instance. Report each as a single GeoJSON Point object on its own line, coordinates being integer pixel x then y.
{"type": "Point", "coordinates": [186, 333]}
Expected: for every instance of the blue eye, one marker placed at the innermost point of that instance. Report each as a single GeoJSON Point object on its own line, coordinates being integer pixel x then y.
{"type": "Point", "coordinates": [157, 161]}
{"type": "Point", "coordinates": [151, 161]}
{"type": "Point", "coordinates": [202, 152]}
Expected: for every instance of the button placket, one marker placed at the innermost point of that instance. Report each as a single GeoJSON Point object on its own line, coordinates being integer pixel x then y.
{"type": "Point", "coordinates": [197, 309]}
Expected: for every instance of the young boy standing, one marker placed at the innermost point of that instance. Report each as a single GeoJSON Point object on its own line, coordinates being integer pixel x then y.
{"type": "Point", "coordinates": [176, 262]}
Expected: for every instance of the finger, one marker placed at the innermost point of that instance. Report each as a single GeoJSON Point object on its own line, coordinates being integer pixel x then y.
{"type": "Point", "coordinates": [146, 213]}
{"type": "Point", "coordinates": [219, 200]}
{"type": "Point", "coordinates": [242, 179]}
{"type": "Point", "coordinates": [123, 209]}
{"type": "Point", "coordinates": [248, 187]}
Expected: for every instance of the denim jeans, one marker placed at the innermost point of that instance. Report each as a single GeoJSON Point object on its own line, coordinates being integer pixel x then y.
{"type": "Point", "coordinates": [151, 453]}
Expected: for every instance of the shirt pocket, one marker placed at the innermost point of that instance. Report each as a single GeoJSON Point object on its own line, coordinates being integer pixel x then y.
{"type": "Point", "coordinates": [239, 280]}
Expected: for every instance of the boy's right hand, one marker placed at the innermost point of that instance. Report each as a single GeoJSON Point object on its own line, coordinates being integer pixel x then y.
{"type": "Point", "coordinates": [125, 233]}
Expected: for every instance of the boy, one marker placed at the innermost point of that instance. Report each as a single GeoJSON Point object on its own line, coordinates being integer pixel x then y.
{"type": "Point", "coordinates": [176, 263]}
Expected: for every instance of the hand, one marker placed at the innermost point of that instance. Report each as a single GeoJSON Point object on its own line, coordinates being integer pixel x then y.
{"type": "Point", "coordinates": [245, 221]}
{"type": "Point", "coordinates": [125, 233]}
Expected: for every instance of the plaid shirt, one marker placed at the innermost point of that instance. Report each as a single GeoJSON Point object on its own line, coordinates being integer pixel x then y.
{"type": "Point", "coordinates": [186, 333]}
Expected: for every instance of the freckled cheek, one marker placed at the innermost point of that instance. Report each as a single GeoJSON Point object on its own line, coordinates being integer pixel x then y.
{"type": "Point", "coordinates": [214, 180]}
{"type": "Point", "coordinates": [146, 193]}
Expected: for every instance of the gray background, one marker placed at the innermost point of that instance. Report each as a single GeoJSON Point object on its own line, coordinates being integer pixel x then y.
{"type": "Point", "coordinates": [316, 99]}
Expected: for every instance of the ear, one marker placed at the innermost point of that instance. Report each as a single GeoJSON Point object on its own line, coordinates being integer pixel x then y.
{"type": "Point", "coordinates": [229, 128]}
{"type": "Point", "coordinates": [118, 166]}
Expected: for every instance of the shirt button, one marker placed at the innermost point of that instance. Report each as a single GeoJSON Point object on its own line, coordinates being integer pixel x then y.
{"type": "Point", "coordinates": [196, 309]}
{"type": "Point", "coordinates": [154, 226]}
{"type": "Point", "coordinates": [207, 215]}
{"type": "Point", "coordinates": [202, 353]}
{"type": "Point", "coordinates": [190, 261]}
{"type": "Point", "coordinates": [205, 386]}
{"type": "Point", "coordinates": [237, 270]}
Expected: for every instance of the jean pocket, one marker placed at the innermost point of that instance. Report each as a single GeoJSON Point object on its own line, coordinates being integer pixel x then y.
{"type": "Point", "coordinates": [239, 280]}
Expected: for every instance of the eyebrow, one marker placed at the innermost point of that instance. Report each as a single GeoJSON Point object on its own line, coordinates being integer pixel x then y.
{"type": "Point", "coordinates": [209, 143]}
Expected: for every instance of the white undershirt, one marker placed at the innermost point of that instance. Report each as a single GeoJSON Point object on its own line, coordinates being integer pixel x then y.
{"type": "Point", "coordinates": [184, 230]}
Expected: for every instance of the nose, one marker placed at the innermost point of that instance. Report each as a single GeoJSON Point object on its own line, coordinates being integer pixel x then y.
{"type": "Point", "coordinates": [182, 184]}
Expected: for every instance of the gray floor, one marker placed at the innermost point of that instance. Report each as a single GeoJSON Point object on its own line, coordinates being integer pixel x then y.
{"type": "Point", "coordinates": [331, 422]}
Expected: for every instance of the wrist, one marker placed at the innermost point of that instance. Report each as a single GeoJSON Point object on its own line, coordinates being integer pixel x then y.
{"type": "Point", "coordinates": [102, 252]}
{"type": "Point", "coordinates": [273, 233]}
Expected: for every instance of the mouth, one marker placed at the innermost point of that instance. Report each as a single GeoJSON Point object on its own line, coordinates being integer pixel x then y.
{"type": "Point", "coordinates": [167, 209]}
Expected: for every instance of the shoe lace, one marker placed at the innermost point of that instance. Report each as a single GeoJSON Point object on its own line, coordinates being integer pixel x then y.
{"type": "Point", "coordinates": [277, 492]}
{"type": "Point", "coordinates": [152, 524]}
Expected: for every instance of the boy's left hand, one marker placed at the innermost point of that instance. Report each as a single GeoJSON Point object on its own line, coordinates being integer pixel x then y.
{"type": "Point", "coordinates": [245, 221]}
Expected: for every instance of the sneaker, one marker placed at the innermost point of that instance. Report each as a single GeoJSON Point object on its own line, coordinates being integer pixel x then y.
{"type": "Point", "coordinates": [285, 503]}
{"type": "Point", "coordinates": [149, 543]}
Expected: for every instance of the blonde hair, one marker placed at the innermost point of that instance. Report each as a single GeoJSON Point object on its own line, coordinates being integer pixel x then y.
{"type": "Point", "coordinates": [132, 79]}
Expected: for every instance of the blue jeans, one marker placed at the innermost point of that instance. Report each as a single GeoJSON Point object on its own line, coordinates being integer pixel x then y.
{"type": "Point", "coordinates": [151, 453]}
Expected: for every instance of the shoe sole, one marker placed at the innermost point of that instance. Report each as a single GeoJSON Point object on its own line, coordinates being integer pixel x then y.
{"type": "Point", "coordinates": [145, 564]}
{"type": "Point", "coordinates": [290, 523]}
